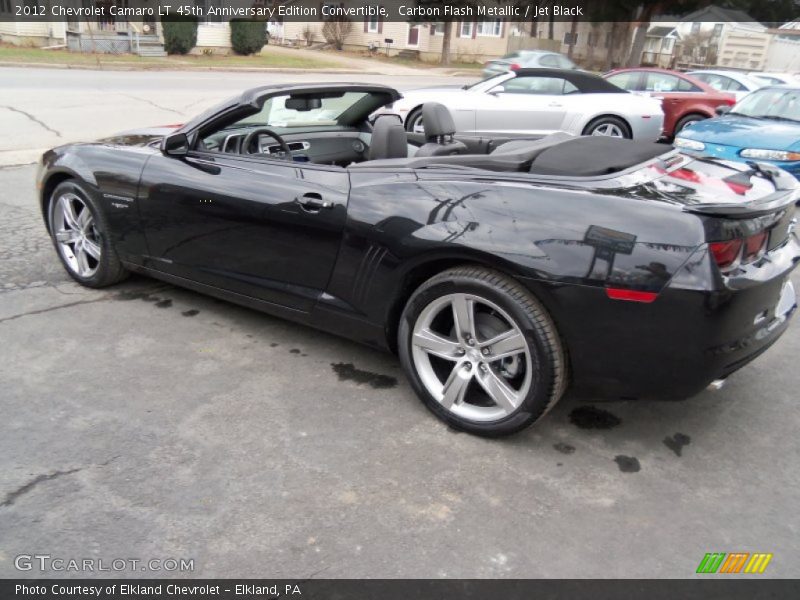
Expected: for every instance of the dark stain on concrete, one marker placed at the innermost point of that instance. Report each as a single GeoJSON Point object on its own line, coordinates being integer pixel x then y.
{"type": "Point", "coordinates": [378, 381]}
{"type": "Point", "coordinates": [677, 442]}
{"type": "Point", "coordinates": [564, 448]}
{"type": "Point", "coordinates": [190, 313]}
{"type": "Point", "coordinates": [591, 417]}
{"type": "Point", "coordinates": [294, 351]}
{"type": "Point", "coordinates": [166, 303]}
{"type": "Point", "coordinates": [627, 464]}
{"type": "Point", "coordinates": [274, 345]}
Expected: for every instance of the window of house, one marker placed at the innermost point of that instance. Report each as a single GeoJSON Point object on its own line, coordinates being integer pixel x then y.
{"type": "Point", "coordinates": [490, 28]}
{"type": "Point", "coordinates": [372, 24]}
{"type": "Point", "coordinates": [667, 45]}
{"type": "Point", "coordinates": [717, 30]}
{"type": "Point", "coordinates": [437, 29]}
{"type": "Point", "coordinates": [696, 27]}
{"type": "Point", "coordinates": [570, 39]}
{"type": "Point", "coordinates": [466, 29]}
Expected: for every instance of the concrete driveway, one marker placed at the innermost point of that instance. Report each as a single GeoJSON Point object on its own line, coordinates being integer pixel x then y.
{"type": "Point", "coordinates": [148, 422]}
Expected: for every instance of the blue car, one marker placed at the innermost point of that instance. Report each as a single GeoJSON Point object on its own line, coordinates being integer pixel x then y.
{"type": "Point", "coordinates": [763, 126]}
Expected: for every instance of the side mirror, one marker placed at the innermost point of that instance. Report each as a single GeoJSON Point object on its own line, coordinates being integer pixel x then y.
{"type": "Point", "coordinates": [722, 110]}
{"type": "Point", "coordinates": [176, 144]}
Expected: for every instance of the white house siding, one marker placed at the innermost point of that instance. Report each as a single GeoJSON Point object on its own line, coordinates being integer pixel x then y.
{"type": "Point", "coordinates": [213, 35]}
{"type": "Point", "coordinates": [743, 48]}
{"type": "Point", "coordinates": [783, 56]}
{"type": "Point", "coordinates": [32, 33]}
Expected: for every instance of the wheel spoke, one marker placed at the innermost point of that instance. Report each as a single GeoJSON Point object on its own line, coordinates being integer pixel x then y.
{"type": "Point", "coordinates": [498, 390]}
{"type": "Point", "coordinates": [67, 236]}
{"type": "Point", "coordinates": [464, 317]}
{"type": "Point", "coordinates": [456, 386]}
{"type": "Point", "coordinates": [82, 260]}
{"type": "Point", "coordinates": [92, 248]}
{"type": "Point", "coordinates": [435, 344]}
{"type": "Point", "coordinates": [84, 219]}
{"type": "Point", "coordinates": [68, 210]}
{"type": "Point", "coordinates": [506, 344]}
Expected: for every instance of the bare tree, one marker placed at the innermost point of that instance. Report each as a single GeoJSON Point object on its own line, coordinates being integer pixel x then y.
{"type": "Point", "coordinates": [336, 30]}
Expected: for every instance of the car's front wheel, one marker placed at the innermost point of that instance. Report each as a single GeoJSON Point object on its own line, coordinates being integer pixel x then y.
{"type": "Point", "coordinates": [481, 352]}
{"type": "Point", "coordinates": [609, 126]}
{"type": "Point", "coordinates": [79, 232]}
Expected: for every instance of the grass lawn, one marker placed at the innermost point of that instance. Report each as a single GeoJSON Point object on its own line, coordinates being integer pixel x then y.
{"type": "Point", "coordinates": [268, 59]}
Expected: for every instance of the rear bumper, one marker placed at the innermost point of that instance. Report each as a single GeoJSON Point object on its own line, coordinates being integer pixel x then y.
{"type": "Point", "coordinates": [687, 338]}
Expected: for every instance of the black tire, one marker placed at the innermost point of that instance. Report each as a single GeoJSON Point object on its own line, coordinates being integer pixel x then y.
{"type": "Point", "coordinates": [693, 118]}
{"type": "Point", "coordinates": [108, 269]}
{"type": "Point", "coordinates": [412, 117]}
{"type": "Point", "coordinates": [605, 120]}
{"type": "Point", "coordinates": [548, 362]}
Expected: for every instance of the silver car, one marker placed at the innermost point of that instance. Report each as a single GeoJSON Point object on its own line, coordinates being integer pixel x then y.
{"type": "Point", "coordinates": [532, 103]}
{"type": "Point", "coordinates": [527, 59]}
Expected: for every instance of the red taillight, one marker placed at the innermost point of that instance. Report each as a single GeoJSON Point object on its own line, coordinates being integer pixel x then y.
{"type": "Point", "coordinates": [754, 247]}
{"type": "Point", "coordinates": [741, 251]}
{"type": "Point", "coordinates": [631, 295]}
{"type": "Point", "coordinates": [739, 188]}
{"type": "Point", "coordinates": [730, 101]}
{"type": "Point", "coordinates": [515, 67]}
{"type": "Point", "coordinates": [726, 253]}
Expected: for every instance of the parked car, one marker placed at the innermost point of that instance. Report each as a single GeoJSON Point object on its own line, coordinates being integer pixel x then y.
{"type": "Point", "coordinates": [684, 98]}
{"type": "Point", "coordinates": [527, 59]}
{"type": "Point", "coordinates": [537, 102]}
{"type": "Point", "coordinates": [776, 78]}
{"type": "Point", "coordinates": [498, 275]}
{"type": "Point", "coordinates": [764, 126]}
{"type": "Point", "coordinates": [729, 82]}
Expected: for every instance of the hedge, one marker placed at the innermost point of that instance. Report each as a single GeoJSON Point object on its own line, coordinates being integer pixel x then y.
{"type": "Point", "coordinates": [248, 36]}
{"type": "Point", "coordinates": [180, 34]}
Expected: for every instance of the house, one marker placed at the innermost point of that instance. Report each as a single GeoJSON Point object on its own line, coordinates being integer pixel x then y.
{"type": "Point", "coordinates": [714, 36]}
{"type": "Point", "coordinates": [783, 55]}
{"type": "Point", "coordinates": [659, 46]}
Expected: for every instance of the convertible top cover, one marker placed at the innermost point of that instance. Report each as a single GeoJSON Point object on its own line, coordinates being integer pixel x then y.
{"type": "Point", "coordinates": [587, 83]}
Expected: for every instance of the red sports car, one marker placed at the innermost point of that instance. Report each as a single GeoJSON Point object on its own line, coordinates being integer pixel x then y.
{"type": "Point", "coordinates": [683, 98]}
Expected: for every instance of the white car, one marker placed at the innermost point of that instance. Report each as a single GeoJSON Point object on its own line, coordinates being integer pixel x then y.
{"type": "Point", "coordinates": [537, 102]}
{"type": "Point", "coordinates": [730, 82]}
{"type": "Point", "coordinates": [775, 78]}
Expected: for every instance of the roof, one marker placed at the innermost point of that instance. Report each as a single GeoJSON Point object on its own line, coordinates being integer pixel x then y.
{"type": "Point", "coordinates": [659, 31]}
{"type": "Point", "coordinates": [715, 14]}
{"type": "Point", "coordinates": [587, 83]}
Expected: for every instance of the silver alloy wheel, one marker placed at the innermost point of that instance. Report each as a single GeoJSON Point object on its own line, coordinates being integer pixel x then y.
{"type": "Point", "coordinates": [417, 125]}
{"type": "Point", "coordinates": [609, 130]}
{"type": "Point", "coordinates": [483, 345]}
{"type": "Point", "coordinates": [76, 235]}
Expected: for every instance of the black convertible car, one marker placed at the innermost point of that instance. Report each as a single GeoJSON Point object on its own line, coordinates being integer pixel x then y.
{"type": "Point", "coordinates": [500, 271]}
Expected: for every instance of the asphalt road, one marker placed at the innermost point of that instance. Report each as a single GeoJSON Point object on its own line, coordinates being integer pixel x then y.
{"type": "Point", "coordinates": [149, 422]}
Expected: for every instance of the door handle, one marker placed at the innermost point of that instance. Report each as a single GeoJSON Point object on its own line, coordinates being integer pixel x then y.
{"type": "Point", "coordinates": [555, 104]}
{"type": "Point", "coordinates": [312, 202]}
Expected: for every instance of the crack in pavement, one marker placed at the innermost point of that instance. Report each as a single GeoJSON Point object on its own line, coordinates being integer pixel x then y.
{"type": "Point", "coordinates": [12, 496]}
{"type": "Point", "coordinates": [34, 119]}
{"type": "Point", "coordinates": [52, 308]}
{"type": "Point", "coordinates": [151, 103]}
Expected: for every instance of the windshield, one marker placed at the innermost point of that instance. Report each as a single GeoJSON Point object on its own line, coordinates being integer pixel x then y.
{"type": "Point", "coordinates": [314, 111]}
{"type": "Point", "coordinates": [484, 80]}
{"type": "Point", "coordinates": [773, 103]}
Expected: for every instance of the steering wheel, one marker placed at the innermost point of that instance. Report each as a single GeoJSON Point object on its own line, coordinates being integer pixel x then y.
{"type": "Point", "coordinates": [248, 141]}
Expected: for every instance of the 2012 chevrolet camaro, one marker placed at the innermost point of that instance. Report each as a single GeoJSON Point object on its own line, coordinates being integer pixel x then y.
{"type": "Point", "coordinates": [501, 271]}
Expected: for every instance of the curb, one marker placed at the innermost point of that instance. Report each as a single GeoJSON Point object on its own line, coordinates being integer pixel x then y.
{"type": "Point", "coordinates": [178, 67]}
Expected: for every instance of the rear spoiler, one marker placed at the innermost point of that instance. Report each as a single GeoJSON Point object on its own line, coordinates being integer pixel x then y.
{"type": "Point", "coordinates": [786, 193]}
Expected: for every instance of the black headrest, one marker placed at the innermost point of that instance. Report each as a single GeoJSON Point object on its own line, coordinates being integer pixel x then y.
{"type": "Point", "coordinates": [388, 138]}
{"type": "Point", "coordinates": [437, 120]}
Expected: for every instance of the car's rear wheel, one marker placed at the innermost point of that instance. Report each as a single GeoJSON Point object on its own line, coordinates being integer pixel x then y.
{"type": "Point", "coordinates": [414, 122]}
{"type": "Point", "coordinates": [608, 126]}
{"type": "Point", "coordinates": [79, 232]}
{"type": "Point", "coordinates": [481, 352]}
